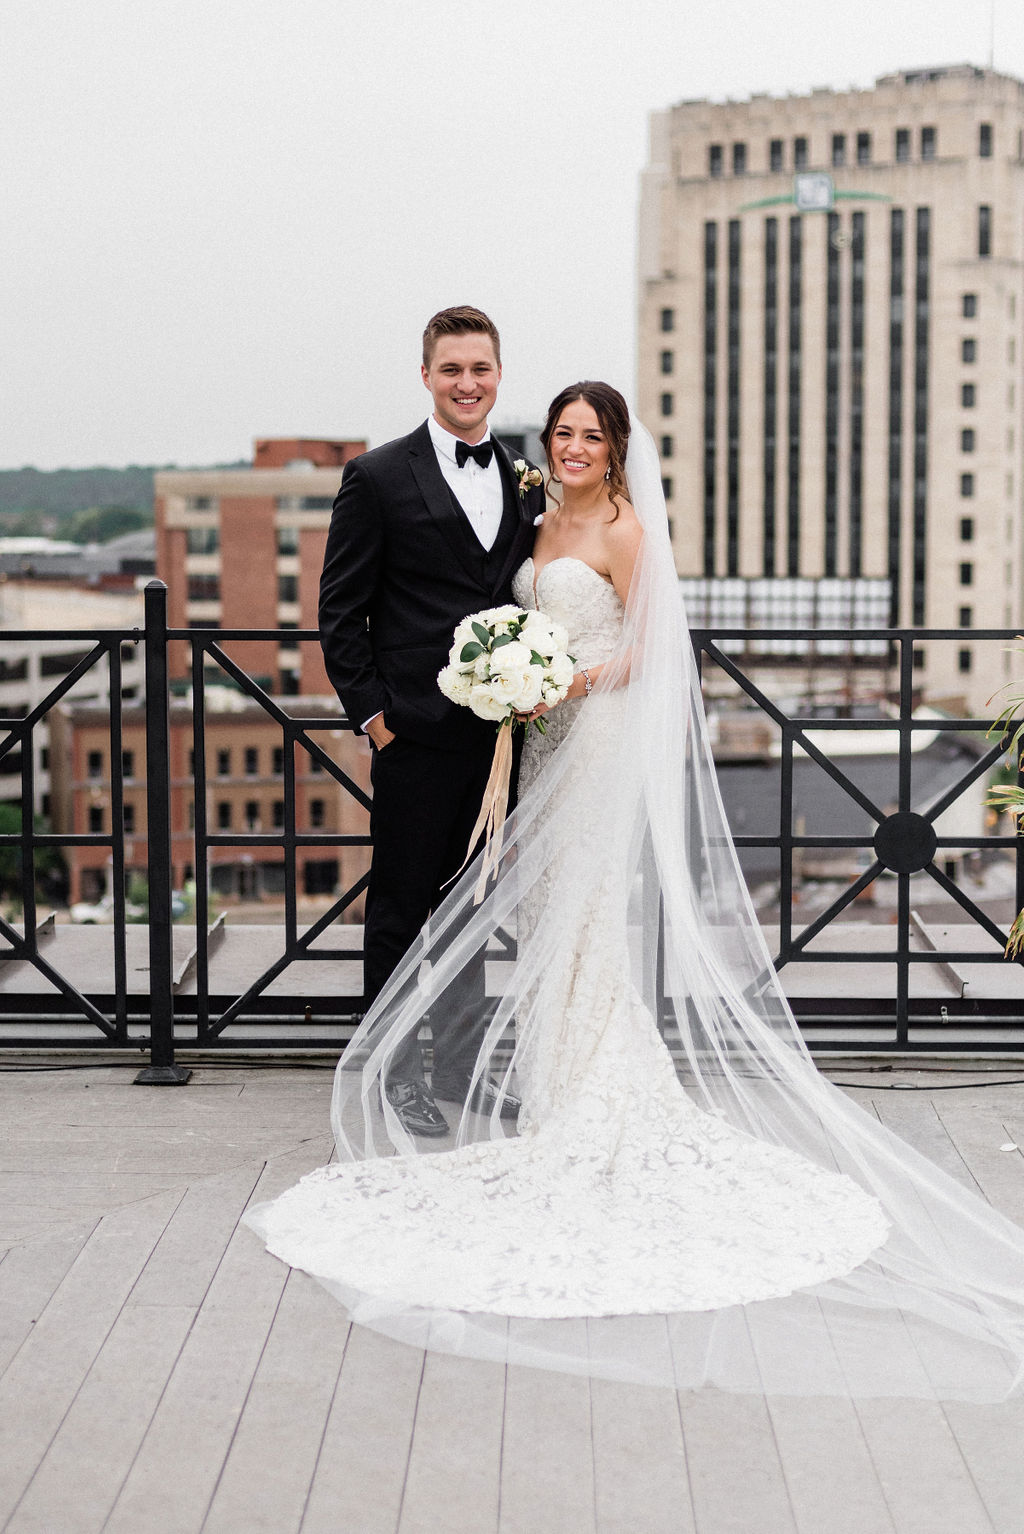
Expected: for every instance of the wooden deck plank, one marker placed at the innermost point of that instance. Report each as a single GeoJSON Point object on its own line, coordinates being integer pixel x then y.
{"type": "Point", "coordinates": [361, 1467]}
{"type": "Point", "coordinates": [455, 1457]}
{"type": "Point", "coordinates": [992, 1441]}
{"type": "Point", "coordinates": [640, 1469]}
{"type": "Point", "coordinates": [735, 1472]}
{"type": "Point", "coordinates": [29, 1275]}
{"type": "Point", "coordinates": [209, 1385]}
{"type": "Point", "coordinates": [922, 1472]}
{"type": "Point", "coordinates": [270, 1466]}
{"type": "Point", "coordinates": [79, 1476]}
{"type": "Point", "coordinates": [547, 1469]}
{"type": "Point", "coordinates": [42, 1380]}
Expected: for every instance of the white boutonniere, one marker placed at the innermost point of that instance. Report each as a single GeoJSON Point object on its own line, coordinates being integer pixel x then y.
{"type": "Point", "coordinates": [526, 477]}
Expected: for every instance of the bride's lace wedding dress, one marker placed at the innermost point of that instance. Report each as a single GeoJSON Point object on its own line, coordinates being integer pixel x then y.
{"type": "Point", "coordinates": [619, 1194]}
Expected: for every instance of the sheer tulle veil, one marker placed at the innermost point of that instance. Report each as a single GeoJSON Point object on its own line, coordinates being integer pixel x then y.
{"type": "Point", "coordinates": [938, 1310]}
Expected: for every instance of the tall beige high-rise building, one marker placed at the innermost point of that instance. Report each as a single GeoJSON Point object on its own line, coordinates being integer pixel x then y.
{"type": "Point", "coordinates": [830, 348]}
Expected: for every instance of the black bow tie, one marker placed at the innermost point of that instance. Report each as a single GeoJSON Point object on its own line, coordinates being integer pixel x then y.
{"type": "Point", "coordinates": [481, 452]}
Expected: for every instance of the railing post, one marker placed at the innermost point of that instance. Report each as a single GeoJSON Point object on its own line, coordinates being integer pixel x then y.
{"type": "Point", "coordinates": [161, 1070]}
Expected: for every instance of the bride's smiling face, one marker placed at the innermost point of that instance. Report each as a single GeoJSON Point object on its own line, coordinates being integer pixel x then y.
{"type": "Point", "coordinates": [579, 448]}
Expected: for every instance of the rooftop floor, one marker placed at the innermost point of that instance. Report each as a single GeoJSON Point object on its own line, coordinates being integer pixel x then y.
{"type": "Point", "coordinates": [161, 1374]}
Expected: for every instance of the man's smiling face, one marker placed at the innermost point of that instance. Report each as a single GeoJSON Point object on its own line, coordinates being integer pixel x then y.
{"type": "Point", "coordinates": [463, 379]}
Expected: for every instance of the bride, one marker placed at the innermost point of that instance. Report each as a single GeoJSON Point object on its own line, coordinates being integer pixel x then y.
{"type": "Point", "coordinates": [677, 1159]}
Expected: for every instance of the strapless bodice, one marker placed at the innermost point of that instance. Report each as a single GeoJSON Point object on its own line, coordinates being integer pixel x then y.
{"type": "Point", "coordinates": [573, 594]}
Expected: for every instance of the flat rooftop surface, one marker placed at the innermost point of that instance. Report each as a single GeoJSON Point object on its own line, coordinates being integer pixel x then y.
{"type": "Point", "coordinates": [161, 1374]}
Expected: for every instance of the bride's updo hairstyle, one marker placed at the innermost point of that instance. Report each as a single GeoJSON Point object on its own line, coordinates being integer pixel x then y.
{"type": "Point", "coordinates": [613, 417]}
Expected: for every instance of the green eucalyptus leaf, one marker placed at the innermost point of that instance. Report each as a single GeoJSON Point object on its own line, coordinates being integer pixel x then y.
{"type": "Point", "coordinates": [482, 633]}
{"type": "Point", "coordinates": [471, 651]}
{"type": "Point", "coordinates": [501, 639]}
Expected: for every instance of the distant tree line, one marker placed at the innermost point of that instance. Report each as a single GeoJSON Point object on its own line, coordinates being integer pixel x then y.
{"type": "Point", "coordinates": [85, 505]}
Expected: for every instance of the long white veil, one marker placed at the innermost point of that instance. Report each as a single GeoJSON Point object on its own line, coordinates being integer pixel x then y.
{"type": "Point", "coordinates": [938, 1310]}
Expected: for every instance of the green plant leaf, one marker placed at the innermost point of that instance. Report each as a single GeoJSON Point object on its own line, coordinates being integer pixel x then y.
{"type": "Point", "coordinates": [501, 639]}
{"type": "Point", "coordinates": [482, 633]}
{"type": "Point", "coordinates": [471, 651]}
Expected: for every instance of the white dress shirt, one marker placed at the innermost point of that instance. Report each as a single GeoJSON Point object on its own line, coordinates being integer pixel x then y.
{"type": "Point", "coordinates": [478, 491]}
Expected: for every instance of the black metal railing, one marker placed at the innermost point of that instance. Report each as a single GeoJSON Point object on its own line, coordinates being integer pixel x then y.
{"type": "Point", "coordinates": [257, 1012]}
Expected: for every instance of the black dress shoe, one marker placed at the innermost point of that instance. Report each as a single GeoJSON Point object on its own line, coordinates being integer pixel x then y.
{"type": "Point", "coordinates": [416, 1109]}
{"type": "Point", "coordinates": [485, 1095]}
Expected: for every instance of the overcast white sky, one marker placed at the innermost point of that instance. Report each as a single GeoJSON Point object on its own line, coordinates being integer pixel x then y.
{"type": "Point", "coordinates": [224, 219]}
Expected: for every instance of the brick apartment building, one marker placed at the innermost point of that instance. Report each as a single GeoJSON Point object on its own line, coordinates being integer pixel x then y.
{"type": "Point", "coordinates": [244, 778]}
{"type": "Point", "coordinates": [243, 548]}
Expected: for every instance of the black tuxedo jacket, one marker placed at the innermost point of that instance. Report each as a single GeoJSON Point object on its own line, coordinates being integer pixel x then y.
{"type": "Point", "coordinates": [402, 568]}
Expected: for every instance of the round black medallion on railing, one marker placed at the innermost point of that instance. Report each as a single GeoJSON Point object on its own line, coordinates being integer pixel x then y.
{"type": "Point", "coordinates": [905, 842]}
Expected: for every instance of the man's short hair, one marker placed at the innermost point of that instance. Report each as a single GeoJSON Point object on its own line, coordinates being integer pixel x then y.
{"type": "Point", "coordinates": [463, 321]}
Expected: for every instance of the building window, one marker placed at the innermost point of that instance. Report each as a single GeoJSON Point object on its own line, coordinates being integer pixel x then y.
{"type": "Point", "coordinates": [985, 140]}
{"type": "Point", "coordinates": [968, 349]}
{"type": "Point", "coordinates": [204, 588]}
{"type": "Point", "coordinates": [202, 540]}
{"type": "Point", "coordinates": [277, 813]}
{"type": "Point", "coordinates": [839, 149]}
{"type": "Point", "coordinates": [203, 623]}
{"type": "Point", "coordinates": [317, 812]}
{"type": "Point", "coordinates": [776, 154]}
{"type": "Point", "coordinates": [963, 660]}
{"type": "Point", "coordinates": [128, 764]}
{"type": "Point", "coordinates": [667, 361]}
{"type": "Point", "coordinates": [967, 529]}
{"type": "Point", "coordinates": [287, 588]}
{"type": "Point", "coordinates": [94, 764]}
{"type": "Point", "coordinates": [966, 573]}
{"type": "Point", "coordinates": [278, 768]}
{"type": "Point", "coordinates": [252, 761]}
{"type": "Point", "coordinates": [287, 540]}
{"type": "Point", "coordinates": [902, 145]}
{"type": "Point", "coordinates": [966, 617]}
{"type": "Point", "coordinates": [224, 814]}
{"type": "Point", "coordinates": [252, 814]}
{"type": "Point", "coordinates": [714, 159]}
{"type": "Point", "coordinates": [288, 644]}
{"type": "Point", "coordinates": [897, 295]}
{"type": "Point", "coordinates": [95, 817]}
{"type": "Point", "coordinates": [799, 154]}
{"type": "Point", "coordinates": [224, 764]}
{"type": "Point", "coordinates": [967, 440]}
{"type": "Point", "coordinates": [667, 447]}
{"type": "Point", "coordinates": [918, 658]}
{"type": "Point", "coordinates": [967, 486]}
{"type": "Point", "coordinates": [928, 143]}
{"type": "Point", "coordinates": [710, 459]}
{"type": "Point", "coordinates": [984, 230]}
{"type": "Point", "coordinates": [969, 305]}
{"type": "Point", "coordinates": [968, 396]}
{"type": "Point", "coordinates": [739, 159]}
{"type": "Point", "coordinates": [863, 148]}
{"type": "Point", "coordinates": [129, 819]}
{"type": "Point", "coordinates": [667, 319]}
{"type": "Point", "coordinates": [666, 404]}
{"type": "Point", "coordinates": [666, 487]}
{"type": "Point", "coordinates": [191, 814]}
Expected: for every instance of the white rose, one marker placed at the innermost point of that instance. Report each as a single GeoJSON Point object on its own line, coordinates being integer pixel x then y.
{"type": "Point", "coordinates": [552, 694]}
{"type": "Point", "coordinates": [560, 635]}
{"type": "Point", "coordinates": [508, 658]}
{"type": "Point", "coordinates": [560, 670]}
{"type": "Point", "coordinates": [529, 690]}
{"type": "Point", "coordinates": [456, 684]}
{"type": "Point", "coordinates": [484, 703]}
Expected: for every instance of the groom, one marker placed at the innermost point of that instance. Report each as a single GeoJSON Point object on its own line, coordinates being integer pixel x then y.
{"type": "Point", "coordinates": [425, 530]}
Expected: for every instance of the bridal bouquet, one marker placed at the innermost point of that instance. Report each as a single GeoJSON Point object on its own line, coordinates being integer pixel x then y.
{"type": "Point", "coordinates": [502, 663]}
{"type": "Point", "coordinates": [505, 661]}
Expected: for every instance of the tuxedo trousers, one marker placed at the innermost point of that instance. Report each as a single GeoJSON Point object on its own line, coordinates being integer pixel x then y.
{"type": "Point", "coordinates": [425, 804]}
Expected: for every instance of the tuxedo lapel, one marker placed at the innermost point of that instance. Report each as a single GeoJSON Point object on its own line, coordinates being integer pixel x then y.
{"type": "Point", "coordinates": [438, 498]}
{"type": "Point", "coordinates": [522, 542]}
